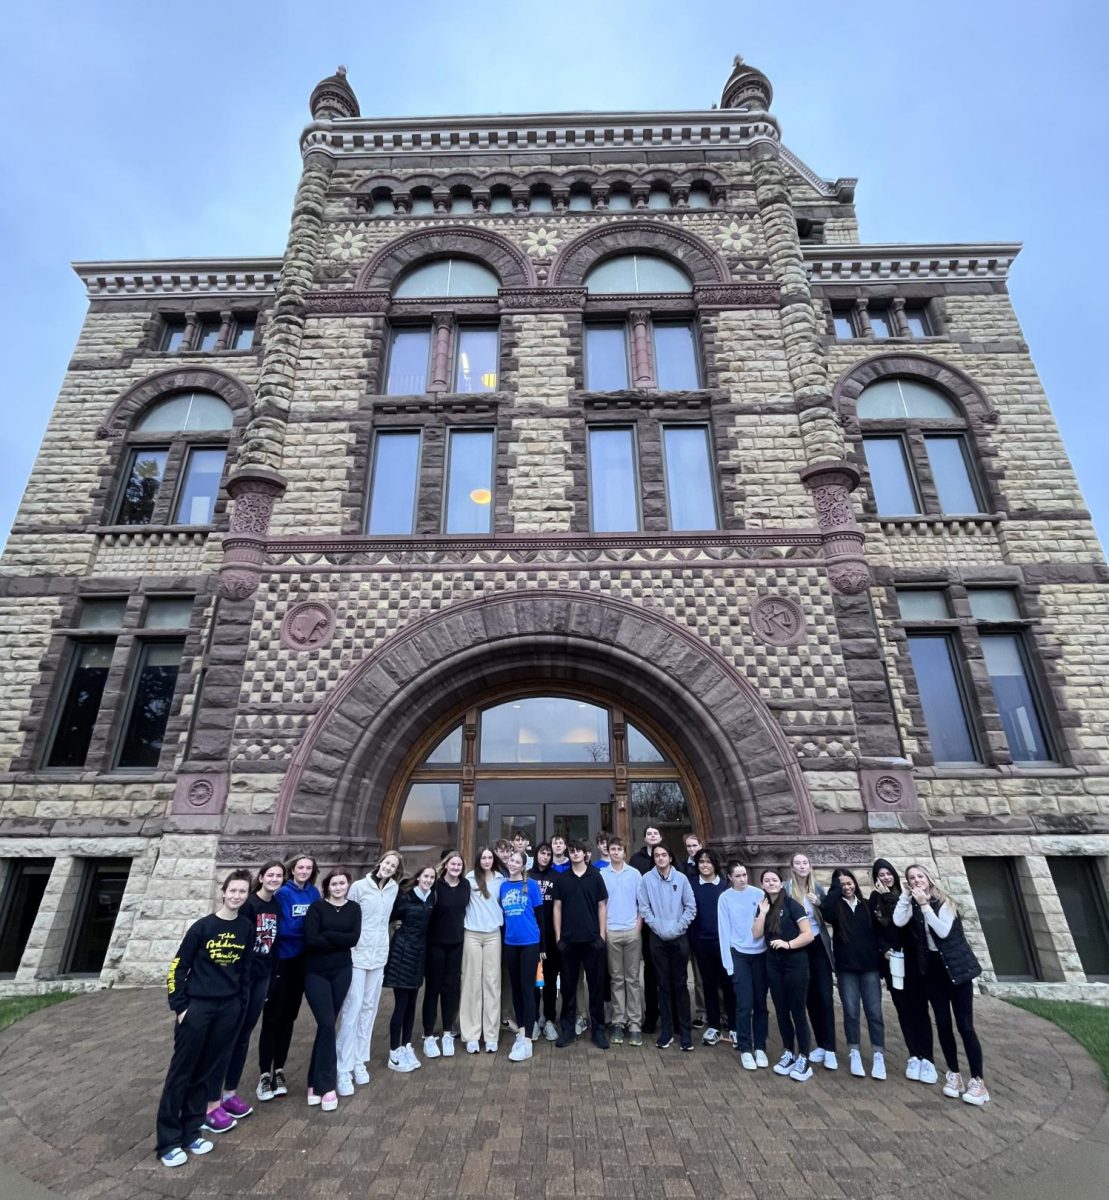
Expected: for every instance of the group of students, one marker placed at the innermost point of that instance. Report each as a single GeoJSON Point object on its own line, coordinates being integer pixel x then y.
{"type": "Point", "coordinates": [614, 935]}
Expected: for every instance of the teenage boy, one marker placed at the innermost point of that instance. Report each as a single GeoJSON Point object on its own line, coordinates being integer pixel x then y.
{"type": "Point", "coordinates": [692, 845]}
{"type": "Point", "coordinates": [580, 925]}
{"type": "Point", "coordinates": [667, 907]}
{"type": "Point", "coordinates": [600, 858]}
{"type": "Point", "coordinates": [625, 948]}
{"type": "Point", "coordinates": [520, 846]}
{"type": "Point", "coordinates": [559, 861]}
{"type": "Point", "coordinates": [641, 860]}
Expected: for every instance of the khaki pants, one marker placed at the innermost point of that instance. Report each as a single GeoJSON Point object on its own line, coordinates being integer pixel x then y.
{"type": "Point", "coordinates": [480, 1012]}
{"type": "Point", "coordinates": [625, 957]}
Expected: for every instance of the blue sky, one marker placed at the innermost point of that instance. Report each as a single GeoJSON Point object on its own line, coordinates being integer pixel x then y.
{"type": "Point", "coordinates": [148, 131]}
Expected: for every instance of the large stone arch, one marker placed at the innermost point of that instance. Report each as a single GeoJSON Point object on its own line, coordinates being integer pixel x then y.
{"type": "Point", "coordinates": [574, 261]}
{"type": "Point", "coordinates": [337, 784]}
{"type": "Point", "coordinates": [509, 263]}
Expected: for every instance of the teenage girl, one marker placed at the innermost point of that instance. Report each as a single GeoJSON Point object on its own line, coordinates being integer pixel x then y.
{"type": "Point", "coordinates": [787, 928]}
{"type": "Point", "coordinates": [481, 956]}
{"type": "Point", "coordinates": [522, 901]}
{"type": "Point", "coordinates": [443, 973]}
{"type": "Point", "coordinates": [544, 874]}
{"type": "Point", "coordinates": [404, 971]}
{"type": "Point", "coordinates": [744, 959]}
{"type": "Point", "coordinates": [803, 887]}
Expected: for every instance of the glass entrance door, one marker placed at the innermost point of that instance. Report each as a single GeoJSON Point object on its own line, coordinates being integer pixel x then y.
{"type": "Point", "coordinates": [574, 808]}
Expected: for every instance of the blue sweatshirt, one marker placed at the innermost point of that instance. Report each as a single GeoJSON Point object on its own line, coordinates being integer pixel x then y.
{"type": "Point", "coordinates": [293, 903]}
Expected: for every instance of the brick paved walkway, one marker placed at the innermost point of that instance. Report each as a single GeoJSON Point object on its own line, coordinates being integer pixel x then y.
{"type": "Point", "coordinates": [79, 1084]}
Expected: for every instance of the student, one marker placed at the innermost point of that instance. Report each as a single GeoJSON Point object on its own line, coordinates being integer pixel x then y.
{"type": "Point", "coordinates": [744, 959]}
{"type": "Point", "coordinates": [520, 845]}
{"type": "Point", "coordinates": [580, 925]}
{"type": "Point", "coordinates": [208, 984]}
{"type": "Point", "coordinates": [857, 962]}
{"type": "Point", "coordinates": [261, 910]}
{"type": "Point", "coordinates": [481, 956]}
{"type": "Point", "coordinates": [559, 860]}
{"type": "Point", "coordinates": [502, 848]}
{"type": "Point", "coordinates": [600, 858]}
{"type": "Point", "coordinates": [404, 970]}
{"type": "Point", "coordinates": [802, 886]}
{"type": "Point", "coordinates": [704, 942]}
{"type": "Point", "coordinates": [445, 935]}
{"type": "Point", "coordinates": [624, 944]}
{"type": "Point", "coordinates": [667, 907]}
{"type": "Point", "coordinates": [545, 875]}
{"type": "Point", "coordinates": [788, 930]}
{"type": "Point", "coordinates": [521, 901]}
{"type": "Point", "coordinates": [375, 895]}
{"type": "Point", "coordinates": [910, 1001]}
{"type": "Point", "coordinates": [642, 861]}
{"type": "Point", "coordinates": [294, 897]}
{"type": "Point", "coordinates": [332, 927]}
{"type": "Point", "coordinates": [936, 930]}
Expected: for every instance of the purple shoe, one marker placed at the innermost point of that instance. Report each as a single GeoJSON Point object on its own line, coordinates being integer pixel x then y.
{"type": "Point", "coordinates": [219, 1120]}
{"type": "Point", "coordinates": [236, 1107]}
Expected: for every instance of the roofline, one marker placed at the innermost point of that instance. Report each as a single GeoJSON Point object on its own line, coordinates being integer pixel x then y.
{"type": "Point", "coordinates": [180, 276]}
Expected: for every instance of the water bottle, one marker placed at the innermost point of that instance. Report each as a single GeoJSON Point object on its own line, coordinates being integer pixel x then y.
{"type": "Point", "coordinates": [539, 976]}
{"type": "Point", "coordinates": [897, 968]}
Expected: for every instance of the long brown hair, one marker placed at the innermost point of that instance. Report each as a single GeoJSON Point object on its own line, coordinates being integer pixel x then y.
{"type": "Point", "coordinates": [481, 875]}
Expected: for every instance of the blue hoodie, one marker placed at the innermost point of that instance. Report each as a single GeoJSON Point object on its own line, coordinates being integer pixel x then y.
{"type": "Point", "coordinates": [293, 902]}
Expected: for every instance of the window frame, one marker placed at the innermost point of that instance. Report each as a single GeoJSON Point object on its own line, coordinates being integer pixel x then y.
{"type": "Point", "coordinates": [637, 483]}
{"type": "Point", "coordinates": [857, 315]}
{"type": "Point", "coordinates": [714, 492]}
{"type": "Point", "coordinates": [638, 326]}
{"type": "Point", "coordinates": [178, 446]}
{"type": "Point", "coordinates": [144, 640]}
{"type": "Point", "coordinates": [434, 315]}
{"type": "Point", "coordinates": [228, 323]}
{"type": "Point", "coordinates": [375, 434]}
{"type": "Point", "coordinates": [448, 450]}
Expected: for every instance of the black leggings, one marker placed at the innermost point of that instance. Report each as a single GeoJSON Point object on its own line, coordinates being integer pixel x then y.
{"type": "Point", "coordinates": [280, 1014]}
{"type": "Point", "coordinates": [403, 1018]}
{"type": "Point", "coordinates": [819, 1002]}
{"type": "Point", "coordinates": [326, 993]}
{"type": "Point", "coordinates": [442, 983]}
{"type": "Point", "coordinates": [522, 963]}
{"type": "Point", "coordinates": [552, 965]}
{"type": "Point", "coordinates": [958, 998]}
{"type": "Point", "coordinates": [911, 1005]}
{"type": "Point", "coordinates": [787, 972]}
{"type": "Point", "coordinates": [233, 1072]}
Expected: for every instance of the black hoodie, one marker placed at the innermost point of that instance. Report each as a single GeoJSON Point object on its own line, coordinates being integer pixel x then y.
{"type": "Point", "coordinates": [855, 946]}
{"type": "Point", "coordinates": [882, 906]}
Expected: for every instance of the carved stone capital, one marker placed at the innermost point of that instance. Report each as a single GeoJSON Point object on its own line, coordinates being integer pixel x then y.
{"type": "Point", "coordinates": [237, 584]}
{"type": "Point", "coordinates": [347, 303]}
{"type": "Point", "coordinates": [736, 295]}
{"type": "Point", "coordinates": [538, 299]}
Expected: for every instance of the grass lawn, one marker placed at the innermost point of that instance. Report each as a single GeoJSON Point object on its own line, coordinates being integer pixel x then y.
{"type": "Point", "coordinates": [1086, 1023]}
{"type": "Point", "coordinates": [14, 1007]}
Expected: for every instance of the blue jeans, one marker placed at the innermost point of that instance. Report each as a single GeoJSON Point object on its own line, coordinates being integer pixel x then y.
{"type": "Point", "coordinates": [866, 985]}
{"type": "Point", "coordinates": [752, 1020]}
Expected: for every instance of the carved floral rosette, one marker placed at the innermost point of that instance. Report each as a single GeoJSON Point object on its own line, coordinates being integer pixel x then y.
{"type": "Point", "coordinates": [831, 485]}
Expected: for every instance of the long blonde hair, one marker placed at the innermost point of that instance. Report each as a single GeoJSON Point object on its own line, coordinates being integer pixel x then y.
{"type": "Point", "coordinates": [934, 889]}
{"type": "Point", "coordinates": [793, 885]}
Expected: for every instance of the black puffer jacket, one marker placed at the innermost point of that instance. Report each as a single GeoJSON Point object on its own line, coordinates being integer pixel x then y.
{"type": "Point", "coordinates": [408, 949]}
{"type": "Point", "coordinates": [958, 957]}
{"type": "Point", "coordinates": [881, 906]}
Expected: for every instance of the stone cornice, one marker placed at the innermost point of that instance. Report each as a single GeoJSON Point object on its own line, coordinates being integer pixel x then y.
{"type": "Point", "coordinates": [870, 263]}
{"type": "Point", "coordinates": [841, 189]}
{"type": "Point", "coordinates": [180, 277]}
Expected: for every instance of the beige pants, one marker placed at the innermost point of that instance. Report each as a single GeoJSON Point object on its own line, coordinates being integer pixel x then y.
{"type": "Point", "coordinates": [625, 958]}
{"type": "Point", "coordinates": [480, 1010]}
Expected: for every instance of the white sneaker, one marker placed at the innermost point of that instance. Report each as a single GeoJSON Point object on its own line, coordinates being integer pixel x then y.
{"type": "Point", "coordinates": [953, 1085]}
{"type": "Point", "coordinates": [928, 1073]}
{"type": "Point", "coordinates": [490, 1047]}
{"type": "Point", "coordinates": [448, 1045]}
{"type": "Point", "coordinates": [431, 1047]}
{"type": "Point", "coordinates": [264, 1090]}
{"type": "Point", "coordinates": [536, 1031]}
{"type": "Point", "coordinates": [831, 1063]}
{"type": "Point", "coordinates": [784, 1064]}
{"type": "Point", "coordinates": [711, 1036]}
{"type": "Point", "coordinates": [856, 1060]}
{"type": "Point", "coordinates": [760, 1059]}
{"type": "Point", "coordinates": [550, 1032]}
{"type": "Point", "coordinates": [912, 1069]}
{"type": "Point", "coordinates": [878, 1066]}
{"type": "Point", "coordinates": [801, 1069]}
{"type": "Point", "coordinates": [472, 1047]}
{"type": "Point", "coordinates": [519, 1049]}
{"type": "Point", "coordinates": [747, 1060]}
{"type": "Point", "coordinates": [398, 1061]}
{"type": "Point", "coordinates": [581, 1025]}
{"type": "Point", "coordinates": [361, 1075]}
{"type": "Point", "coordinates": [976, 1093]}
{"type": "Point", "coordinates": [345, 1085]}
{"type": "Point", "coordinates": [177, 1157]}
{"type": "Point", "coordinates": [330, 1102]}
{"type": "Point", "coordinates": [817, 1056]}
{"type": "Point", "coordinates": [733, 1037]}
{"type": "Point", "coordinates": [410, 1054]}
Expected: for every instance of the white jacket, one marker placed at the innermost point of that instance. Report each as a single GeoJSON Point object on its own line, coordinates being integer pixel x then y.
{"type": "Point", "coordinates": [377, 905]}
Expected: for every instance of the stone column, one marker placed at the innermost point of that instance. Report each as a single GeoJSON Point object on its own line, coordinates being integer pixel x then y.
{"type": "Point", "coordinates": [642, 375]}
{"type": "Point", "coordinates": [442, 329]}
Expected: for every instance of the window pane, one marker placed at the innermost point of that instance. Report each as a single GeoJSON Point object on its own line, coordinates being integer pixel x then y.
{"type": "Point", "coordinates": [606, 358]}
{"type": "Point", "coordinates": [947, 456]}
{"type": "Point", "coordinates": [393, 488]}
{"type": "Point", "coordinates": [25, 884]}
{"type": "Point", "coordinates": [641, 749]}
{"type": "Point", "coordinates": [144, 481]}
{"type": "Point", "coordinates": [189, 412]}
{"type": "Point", "coordinates": [429, 823]}
{"type": "Point", "coordinates": [880, 325]}
{"type": "Point", "coordinates": [544, 729]}
{"type": "Point", "coordinates": [197, 501]}
{"type": "Point", "coordinates": [422, 206]}
{"type": "Point", "coordinates": [150, 704]}
{"type": "Point", "coordinates": [994, 604]}
{"type": "Point", "coordinates": [174, 337]}
{"type": "Point", "coordinates": [476, 369]}
{"type": "Point", "coordinates": [658, 198]}
{"type": "Point", "coordinates": [383, 207]}
{"type": "Point", "coordinates": [1001, 913]}
{"type": "Point", "coordinates": [470, 482]}
{"type": "Point", "coordinates": [661, 803]}
{"type": "Point", "coordinates": [690, 478]}
{"type": "Point", "coordinates": [580, 202]}
{"type": "Point", "coordinates": [889, 476]}
{"type": "Point", "coordinates": [1015, 700]}
{"type": "Point", "coordinates": [917, 321]}
{"type": "Point", "coordinates": [448, 277]}
{"type": "Point", "coordinates": [449, 750]}
{"type": "Point", "coordinates": [942, 700]}
{"type": "Point", "coordinates": [676, 356]}
{"type": "Point", "coordinates": [461, 204]}
{"type": "Point", "coordinates": [208, 335]}
{"type": "Point", "coordinates": [81, 705]}
{"type": "Point", "coordinates": [620, 202]}
{"type": "Point", "coordinates": [923, 604]}
{"type": "Point", "coordinates": [408, 356]}
{"type": "Point", "coordinates": [844, 329]}
{"type": "Point", "coordinates": [500, 204]}
{"type": "Point", "coordinates": [637, 273]}
{"type": "Point", "coordinates": [1082, 896]}
{"type": "Point", "coordinates": [700, 197]}
{"type": "Point", "coordinates": [613, 489]}
{"type": "Point", "coordinates": [244, 334]}
{"type": "Point", "coordinates": [540, 204]}
{"type": "Point", "coordinates": [169, 612]}
{"type": "Point", "coordinates": [904, 398]}
{"type": "Point", "coordinates": [102, 614]}
{"type": "Point", "coordinates": [101, 898]}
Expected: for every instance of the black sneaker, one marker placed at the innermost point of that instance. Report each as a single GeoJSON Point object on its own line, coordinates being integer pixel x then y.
{"type": "Point", "coordinates": [617, 1035]}
{"type": "Point", "coordinates": [565, 1039]}
{"type": "Point", "coordinates": [698, 1022]}
{"type": "Point", "coordinates": [279, 1088]}
{"type": "Point", "coordinates": [687, 1045]}
{"type": "Point", "coordinates": [599, 1039]}
{"type": "Point", "coordinates": [635, 1038]}
{"type": "Point", "coordinates": [664, 1043]}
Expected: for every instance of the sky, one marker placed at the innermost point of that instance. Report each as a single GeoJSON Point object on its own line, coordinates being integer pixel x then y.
{"type": "Point", "coordinates": [143, 131]}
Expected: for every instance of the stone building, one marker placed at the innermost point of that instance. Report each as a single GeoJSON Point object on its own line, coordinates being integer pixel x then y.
{"type": "Point", "coordinates": [567, 471]}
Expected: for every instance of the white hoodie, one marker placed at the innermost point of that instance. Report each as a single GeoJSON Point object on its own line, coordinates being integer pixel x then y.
{"type": "Point", "coordinates": [376, 904]}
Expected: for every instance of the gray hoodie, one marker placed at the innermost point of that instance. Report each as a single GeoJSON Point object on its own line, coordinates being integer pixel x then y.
{"type": "Point", "coordinates": [666, 905]}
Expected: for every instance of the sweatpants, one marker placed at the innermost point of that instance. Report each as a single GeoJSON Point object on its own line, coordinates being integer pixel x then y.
{"type": "Point", "coordinates": [522, 962]}
{"type": "Point", "coordinates": [752, 1017]}
{"type": "Point", "coordinates": [787, 973]}
{"type": "Point", "coordinates": [576, 958]}
{"type": "Point", "coordinates": [200, 1042]}
{"type": "Point", "coordinates": [867, 987]}
{"type": "Point", "coordinates": [442, 985]}
{"type": "Point", "coordinates": [819, 1001]}
{"type": "Point", "coordinates": [625, 959]}
{"type": "Point", "coordinates": [233, 1070]}
{"type": "Point", "coordinates": [671, 959]}
{"type": "Point", "coordinates": [715, 982]}
{"type": "Point", "coordinates": [356, 1020]}
{"type": "Point", "coordinates": [280, 1014]}
{"type": "Point", "coordinates": [403, 1018]}
{"type": "Point", "coordinates": [325, 993]}
{"type": "Point", "coordinates": [480, 1011]}
{"type": "Point", "coordinates": [958, 998]}
{"type": "Point", "coordinates": [911, 1005]}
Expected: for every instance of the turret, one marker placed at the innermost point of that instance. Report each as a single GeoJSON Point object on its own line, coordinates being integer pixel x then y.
{"type": "Point", "coordinates": [746, 89]}
{"type": "Point", "coordinates": [333, 98]}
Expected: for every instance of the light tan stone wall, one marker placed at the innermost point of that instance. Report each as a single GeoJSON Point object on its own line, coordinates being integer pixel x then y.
{"type": "Point", "coordinates": [24, 636]}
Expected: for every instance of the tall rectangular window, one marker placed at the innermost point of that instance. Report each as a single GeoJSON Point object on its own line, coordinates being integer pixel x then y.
{"type": "Point", "coordinates": [690, 477]}
{"type": "Point", "coordinates": [844, 326]}
{"type": "Point", "coordinates": [676, 367]}
{"type": "Point", "coordinates": [151, 701]}
{"type": "Point", "coordinates": [947, 457]}
{"type": "Point", "coordinates": [408, 362]}
{"type": "Point", "coordinates": [880, 324]}
{"type": "Point", "coordinates": [196, 501]}
{"type": "Point", "coordinates": [207, 335]}
{"type": "Point", "coordinates": [1004, 921]}
{"type": "Point", "coordinates": [145, 472]}
{"type": "Point", "coordinates": [173, 339]}
{"type": "Point", "coordinates": [941, 697]}
{"type": "Point", "coordinates": [1016, 701]}
{"type": "Point", "coordinates": [613, 486]}
{"type": "Point", "coordinates": [1082, 896]}
{"type": "Point", "coordinates": [606, 358]}
{"type": "Point", "coordinates": [394, 481]}
{"type": "Point", "coordinates": [476, 364]}
{"type": "Point", "coordinates": [103, 883]}
{"type": "Point", "coordinates": [243, 337]}
{"type": "Point", "coordinates": [469, 490]}
{"type": "Point", "coordinates": [81, 704]}
{"type": "Point", "coordinates": [24, 887]}
{"type": "Point", "coordinates": [916, 318]}
{"type": "Point", "coordinates": [889, 476]}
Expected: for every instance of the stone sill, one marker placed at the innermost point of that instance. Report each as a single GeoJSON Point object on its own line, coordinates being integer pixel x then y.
{"type": "Point", "coordinates": [1002, 771]}
{"type": "Point", "coordinates": [1088, 992]}
{"type": "Point", "coordinates": [41, 987]}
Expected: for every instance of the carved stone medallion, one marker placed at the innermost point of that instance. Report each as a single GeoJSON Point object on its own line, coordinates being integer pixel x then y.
{"type": "Point", "coordinates": [777, 621]}
{"type": "Point", "coordinates": [308, 625]}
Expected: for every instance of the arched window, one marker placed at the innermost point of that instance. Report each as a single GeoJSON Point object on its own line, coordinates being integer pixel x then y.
{"type": "Point", "coordinates": [581, 199]}
{"type": "Point", "coordinates": [382, 203]}
{"type": "Point", "coordinates": [447, 277]}
{"type": "Point", "coordinates": [659, 196]}
{"type": "Point", "coordinates": [635, 273]}
{"type": "Point", "coordinates": [917, 450]}
{"type": "Point", "coordinates": [176, 454]}
{"type": "Point", "coordinates": [700, 196]}
{"type": "Point", "coordinates": [422, 203]}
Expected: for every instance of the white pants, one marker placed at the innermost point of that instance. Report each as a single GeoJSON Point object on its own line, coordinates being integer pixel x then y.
{"type": "Point", "coordinates": [356, 1018]}
{"type": "Point", "coordinates": [480, 1010]}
